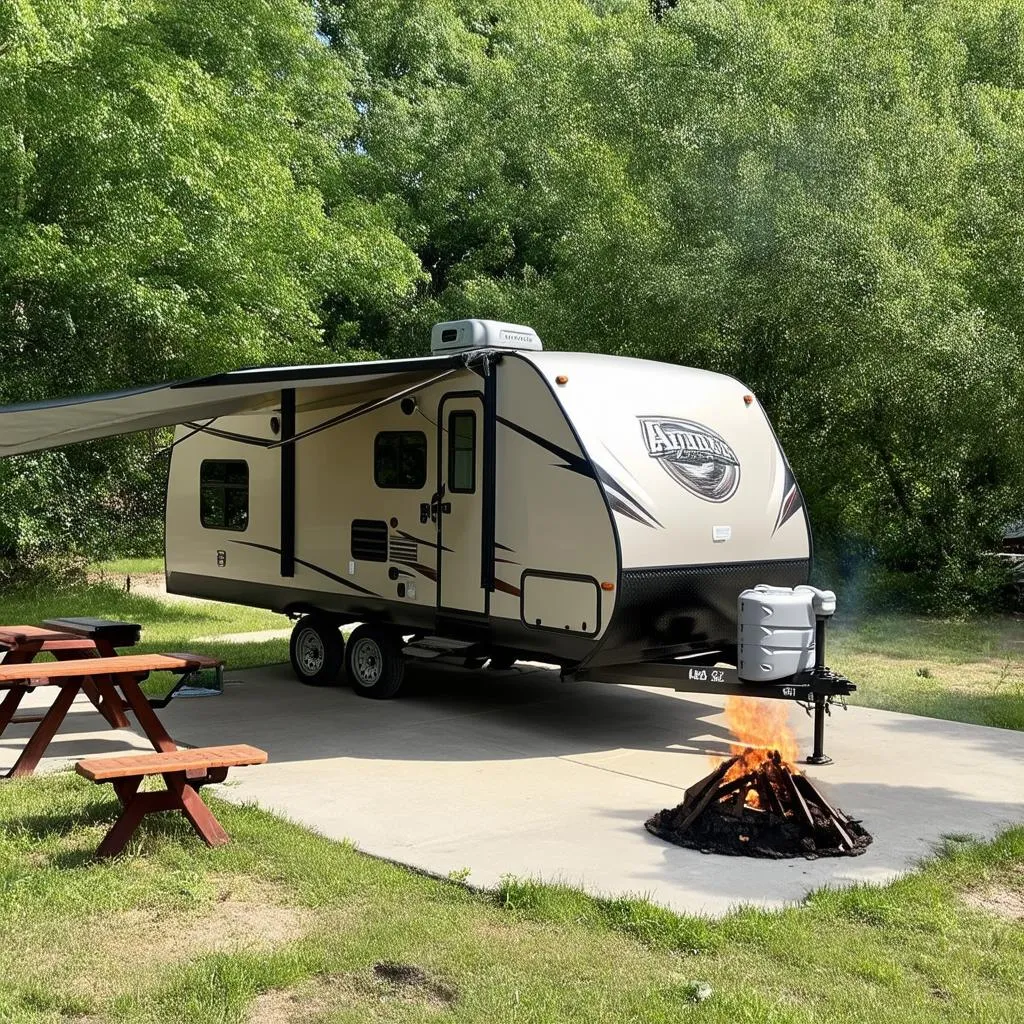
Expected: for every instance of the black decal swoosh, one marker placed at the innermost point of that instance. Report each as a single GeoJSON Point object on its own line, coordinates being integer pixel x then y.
{"type": "Point", "coordinates": [792, 500]}
{"type": "Point", "coordinates": [623, 502]}
{"type": "Point", "coordinates": [309, 565]}
{"type": "Point", "coordinates": [420, 540]}
{"type": "Point", "coordinates": [423, 570]}
{"type": "Point", "coordinates": [576, 463]}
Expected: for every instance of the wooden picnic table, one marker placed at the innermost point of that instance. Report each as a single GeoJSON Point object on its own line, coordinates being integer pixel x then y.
{"type": "Point", "coordinates": [123, 672]}
{"type": "Point", "coordinates": [67, 640]}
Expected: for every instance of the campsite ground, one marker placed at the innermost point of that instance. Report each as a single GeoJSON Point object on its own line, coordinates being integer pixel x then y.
{"type": "Point", "coordinates": [285, 925]}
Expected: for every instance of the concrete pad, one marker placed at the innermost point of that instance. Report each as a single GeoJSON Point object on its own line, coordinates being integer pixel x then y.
{"type": "Point", "coordinates": [83, 734]}
{"type": "Point", "coordinates": [519, 773]}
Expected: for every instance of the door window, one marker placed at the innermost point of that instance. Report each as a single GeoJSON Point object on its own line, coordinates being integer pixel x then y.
{"type": "Point", "coordinates": [462, 451]}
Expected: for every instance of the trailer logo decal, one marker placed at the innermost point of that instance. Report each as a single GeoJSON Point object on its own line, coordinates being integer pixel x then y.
{"type": "Point", "coordinates": [693, 455]}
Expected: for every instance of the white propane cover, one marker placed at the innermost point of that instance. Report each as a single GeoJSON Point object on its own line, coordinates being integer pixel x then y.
{"type": "Point", "coordinates": [460, 335]}
{"type": "Point", "coordinates": [776, 632]}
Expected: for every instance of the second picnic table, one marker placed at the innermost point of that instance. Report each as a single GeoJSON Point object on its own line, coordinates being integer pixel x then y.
{"type": "Point", "coordinates": [87, 661]}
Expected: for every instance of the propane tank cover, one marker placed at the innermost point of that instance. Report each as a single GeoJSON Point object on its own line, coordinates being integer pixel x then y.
{"type": "Point", "coordinates": [776, 633]}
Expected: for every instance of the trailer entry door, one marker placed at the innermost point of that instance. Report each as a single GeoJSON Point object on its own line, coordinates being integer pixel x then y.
{"type": "Point", "coordinates": [460, 502]}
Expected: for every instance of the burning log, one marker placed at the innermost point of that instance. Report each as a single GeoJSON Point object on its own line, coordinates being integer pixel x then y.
{"type": "Point", "coordinates": [758, 804]}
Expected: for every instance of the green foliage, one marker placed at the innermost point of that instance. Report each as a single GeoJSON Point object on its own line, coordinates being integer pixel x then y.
{"type": "Point", "coordinates": [823, 199]}
{"type": "Point", "coordinates": [163, 174]}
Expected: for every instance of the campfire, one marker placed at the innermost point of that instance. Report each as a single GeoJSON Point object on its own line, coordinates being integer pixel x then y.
{"type": "Point", "coordinates": [757, 803]}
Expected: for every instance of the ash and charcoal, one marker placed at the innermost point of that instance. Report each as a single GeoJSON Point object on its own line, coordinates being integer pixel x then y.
{"type": "Point", "coordinates": [754, 805]}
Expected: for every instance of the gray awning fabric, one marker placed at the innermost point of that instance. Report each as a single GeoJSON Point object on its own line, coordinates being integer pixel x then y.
{"type": "Point", "coordinates": [41, 425]}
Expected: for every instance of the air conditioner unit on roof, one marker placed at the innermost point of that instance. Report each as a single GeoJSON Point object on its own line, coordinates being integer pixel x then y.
{"type": "Point", "coordinates": [459, 335]}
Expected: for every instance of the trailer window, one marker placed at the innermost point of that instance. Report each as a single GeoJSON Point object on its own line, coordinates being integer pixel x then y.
{"type": "Point", "coordinates": [462, 452]}
{"type": "Point", "coordinates": [400, 459]}
{"type": "Point", "coordinates": [224, 494]}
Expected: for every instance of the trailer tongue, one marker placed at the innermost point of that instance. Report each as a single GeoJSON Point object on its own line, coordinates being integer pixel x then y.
{"type": "Point", "coordinates": [781, 661]}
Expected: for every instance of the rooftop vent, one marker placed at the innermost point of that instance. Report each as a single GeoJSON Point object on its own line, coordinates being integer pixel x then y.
{"type": "Point", "coordinates": [459, 335]}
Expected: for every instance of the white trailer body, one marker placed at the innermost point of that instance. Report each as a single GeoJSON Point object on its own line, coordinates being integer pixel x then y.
{"type": "Point", "coordinates": [586, 509]}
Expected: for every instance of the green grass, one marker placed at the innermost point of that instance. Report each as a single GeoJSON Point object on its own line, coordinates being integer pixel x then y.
{"type": "Point", "coordinates": [167, 625]}
{"type": "Point", "coordinates": [134, 940]}
{"type": "Point", "coordinates": [966, 671]}
{"type": "Point", "coordinates": [285, 925]}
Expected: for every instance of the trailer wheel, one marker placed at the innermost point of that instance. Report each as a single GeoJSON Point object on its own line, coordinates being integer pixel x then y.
{"type": "Point", "coordinates": [501, 663]}
{"type": "Point", "coordinates": [317, 651]}
{"type": "Point", "coordinates": [374, 662]}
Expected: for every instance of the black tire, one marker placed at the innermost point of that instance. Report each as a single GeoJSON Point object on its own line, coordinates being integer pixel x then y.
{"type": "Point", "coordinates": [317, 651]}
{"type": "Point", "coordinates": [374, 662]}
{"type": "Point", "coordinates": [501, 663]}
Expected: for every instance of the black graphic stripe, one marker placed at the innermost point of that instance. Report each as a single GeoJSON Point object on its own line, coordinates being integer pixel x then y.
{"type": "Point", "coordinates": [618, 505]}
{"type": "Point", "coordinates": [309, 565]}
{"type": "Point", "coordinates": [623, 502]}
{"type": "Point", "coordinates": [420, 540]}
{"type": "Point", "coordinates": [792, 501]}
{"type": "Point", "coordinates": [576, 463]}
{"type": "Point", "coordinates": [504, 547]}
{"type": "Point", "coordinates": [507, 588]}
{"type": "Point", "coordinates": [423, 570]}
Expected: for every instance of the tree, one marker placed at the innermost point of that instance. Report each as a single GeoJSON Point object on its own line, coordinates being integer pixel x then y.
{"type": "Point", "coordinates": [162, 209]}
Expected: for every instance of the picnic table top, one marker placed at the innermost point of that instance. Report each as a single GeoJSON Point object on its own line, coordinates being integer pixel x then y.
{"type": "Point", "coordinates": [13, 636]}
{"type": "Point", "coordinates": [120, 634]}
{"type": "Point", "coordinates": [235, 755]}
{"type": "Point", "coordinates": [125, 664]}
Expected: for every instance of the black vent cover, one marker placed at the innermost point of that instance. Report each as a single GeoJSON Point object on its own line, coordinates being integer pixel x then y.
{"type": "Point", "coordinates": [370, 540]}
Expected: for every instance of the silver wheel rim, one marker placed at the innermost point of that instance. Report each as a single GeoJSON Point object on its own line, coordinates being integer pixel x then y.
{"type": "Point", "coordinates": [367, 661]}
{"type": "Point", "coordinates": [309, 651]}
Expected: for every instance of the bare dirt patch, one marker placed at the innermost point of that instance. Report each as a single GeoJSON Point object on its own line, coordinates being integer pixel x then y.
{"type": "Point", "coordinates": [310, 1000]}
{"type": "Point", "coordinates": [998, 901]}
{"type": "Point", "coordinates": [249, 916]}
{"type": "Point", "coordinates": [410, 981]}
{"type": "Point", "coordinates": [404, 983]}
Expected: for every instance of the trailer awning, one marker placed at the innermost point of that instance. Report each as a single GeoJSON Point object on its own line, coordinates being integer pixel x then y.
{"type": "Point", "coordinates": [37, 426]}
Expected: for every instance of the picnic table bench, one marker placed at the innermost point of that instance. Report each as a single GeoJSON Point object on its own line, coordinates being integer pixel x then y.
{"type": "Point", "coordinates": [122, 672]}
{"type": "Point", "coordinates": [184, 773]}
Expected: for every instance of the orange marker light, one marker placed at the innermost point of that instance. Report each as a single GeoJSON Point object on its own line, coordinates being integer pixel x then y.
{"type": "Point", "coordinates": [748, 399]}
{"type": "Point", "coordinates": [561, 379]}
{"type": "Point", "coordinates": [607, 586]}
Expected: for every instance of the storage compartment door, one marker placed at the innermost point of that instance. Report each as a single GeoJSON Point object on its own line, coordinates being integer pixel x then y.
{"type": "Point", "coordinates": [561, 602]}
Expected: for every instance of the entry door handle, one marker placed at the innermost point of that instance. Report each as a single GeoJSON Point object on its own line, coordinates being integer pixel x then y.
{"type": "Point", "coordinates": [436, 507]}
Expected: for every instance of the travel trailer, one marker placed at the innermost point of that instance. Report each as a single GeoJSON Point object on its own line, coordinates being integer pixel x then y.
{"type": "Point", "coordinates": [491, 501]}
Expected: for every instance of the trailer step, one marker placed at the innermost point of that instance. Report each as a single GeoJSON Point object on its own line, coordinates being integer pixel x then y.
{"type": "Point", "coordinates": [431, 647]}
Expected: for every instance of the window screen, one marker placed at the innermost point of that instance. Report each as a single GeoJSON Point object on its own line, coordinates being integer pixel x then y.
{"type": "Point", "coordinates": [224, 494]}
{"type": "Point", "coordinates": [400, 459]}
{"type": "Point", "coordinates": [462, 452]}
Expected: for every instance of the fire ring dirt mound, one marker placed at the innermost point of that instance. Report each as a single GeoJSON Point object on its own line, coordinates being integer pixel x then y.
{"type": "Point", "coordinates": [755, 805]}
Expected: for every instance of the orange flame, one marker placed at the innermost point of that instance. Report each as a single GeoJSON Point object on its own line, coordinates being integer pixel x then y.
{"type": "Point", "coordinates": [759, 726]}
{"type": "Point", "coordinates": [761, 723]}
